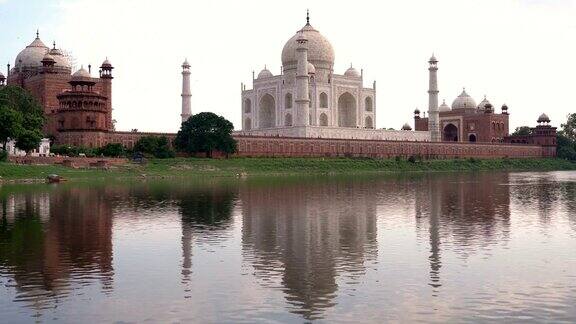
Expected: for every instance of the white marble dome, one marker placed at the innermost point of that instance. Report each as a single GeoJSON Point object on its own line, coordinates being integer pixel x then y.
{"type": "Point", "coordinates": [265, 73]}
{"type": "Point", "coordinates": [444, 106]}
{"type": "Point", "coordinates": [352, 72]}
{"type": "Point", "coordinates": [463, 101]}
{"type": "Point", "coordinates": [32, 55]}
{"type": "Point", "coordinates": [320, 51]}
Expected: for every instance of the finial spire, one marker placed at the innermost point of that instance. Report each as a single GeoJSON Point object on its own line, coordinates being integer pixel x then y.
{"type": "Point", "coordinates": [37, 33]}
{"type": "Point", "coordinates": [307, 17]}
{"type": "Point", "coordinates": [54, 44]}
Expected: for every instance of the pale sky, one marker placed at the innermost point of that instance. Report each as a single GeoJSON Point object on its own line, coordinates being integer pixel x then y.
{"type": "Point", "coordinates": [518, 52]}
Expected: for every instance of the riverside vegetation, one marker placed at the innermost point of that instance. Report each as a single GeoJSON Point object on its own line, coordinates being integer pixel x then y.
{"type": "Point", "coordinates": [240, 167]}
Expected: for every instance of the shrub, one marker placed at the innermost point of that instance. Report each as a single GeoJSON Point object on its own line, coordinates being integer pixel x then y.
{"type": "Point", "coordinates": [3, 156]}
{"type": "Point", "coordinates": [412, 159]}
{"type": "Point", "coordinates": [111, 150]}
{"type": "Point", "coordinates": [157, 146]}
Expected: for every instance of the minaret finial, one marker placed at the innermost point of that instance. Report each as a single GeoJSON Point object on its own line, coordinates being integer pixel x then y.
{"type": "Point", "coordinates": [54, 44]}
{"type": "Point", "coordinates": [37, 33]}
{"type": "Point", "coordinates": [307, 17]}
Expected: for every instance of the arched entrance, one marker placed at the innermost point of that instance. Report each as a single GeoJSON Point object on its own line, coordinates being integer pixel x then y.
{"type": "Point", "coordinates": [472, 138]}
{"type": "Point", "coordinates": [323, 119]}
{"type": "Point", "coordinates": [450, 133]}
{"type": "Point", "coordinates": [267, 112]}
{"type": "Point", "coordinates": [347, 110]}
{"type": "Point", "coordinates": [288, 120]}
{"type": "Point", "coordinates": [247, 124]}
{"type": "Point", "coordinates": [368, 122]}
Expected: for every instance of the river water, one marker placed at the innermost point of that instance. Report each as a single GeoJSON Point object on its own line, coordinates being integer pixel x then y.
{"type": "Point", "coordinates": [471, 247]}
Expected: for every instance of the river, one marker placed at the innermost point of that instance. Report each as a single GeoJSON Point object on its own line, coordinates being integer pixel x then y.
{"type": "Point", "coordinates": [442, 247]}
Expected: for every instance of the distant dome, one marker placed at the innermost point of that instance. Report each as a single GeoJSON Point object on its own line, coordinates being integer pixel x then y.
{"type": "Point", "coordinates": [320, 51]}
{"type": "Point", "coordinates": [311, 68]}
{"type": "Point", "coordinates": [59, 57]}
{"type": "Point", "coordinates": [463, 101]}
{"type": "Point", "coordinates": [352, 72]}
{"type": "Point", "coordinates": [406, 127]}
{"type": "Point", "coordinates": [48, 58]}
{"type": "Point", "coordinates": [32, 55]}
{"type": "Point", "coordinates": [444, 107]}
{"type": "Point", "coordinates": [265, 73]}
{"type": "Point", "coordinates": [543, 119]}
{"type": "Point", "coordinates": [80, 74]}
{"type": "Point", "coordinates": [504, 107]}
{"type": "Point", "coordinates": [484, 103]}
{"type": "Point", "coordinates": [107, 63]}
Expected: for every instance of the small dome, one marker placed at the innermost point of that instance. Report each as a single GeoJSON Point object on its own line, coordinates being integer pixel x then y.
{"type": "Point", "coordinates": [504, 107]}
{"type": "Point", "coordinates": [82, 73]}
{"type": "Point", "coordinates": [463, 101]}
{"type": "Point", "coordinates": [482, 105]}
{"type": "Point", "coordinates": [32, 55]}
{"type": "Point", "coordinates": [406, 127]}
{"type": "Point", "coordinates": [184, 65]}
{"type": "Point", "coordinates": [48, 58]}
{"type": "Point", "coordinates": [417, 111]}
{"type": "Point", "coordinates": [433, 59]}
{"type": "Point", "coordinates": [311, 68]}
{"type": "Point", "coordinates": [265, 73]}
{"type": "Point", "coordinates": [107, 63]}
{"type": "Point", "coordinates": [543, 119]}
{"type": "Point", "coordinates": [59, 57]}
{"type": "Point", "coordinates": [444, 107]}
{"type": "Point", "coordinates": [352, 72]}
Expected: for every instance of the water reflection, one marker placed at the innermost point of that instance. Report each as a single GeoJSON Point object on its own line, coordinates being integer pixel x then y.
{"type": "Point", "coordinates": [446, 247]}
{"type": "Point", "coordinates": [308, 236]}
{"type": "Point", "coordinates": [51, 240]}
{"type": "Point", "coordinates": [468, 211]}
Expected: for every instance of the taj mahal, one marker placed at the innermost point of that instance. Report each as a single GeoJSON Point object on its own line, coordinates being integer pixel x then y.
{"type": "Point", "coordinates": [309, 100]}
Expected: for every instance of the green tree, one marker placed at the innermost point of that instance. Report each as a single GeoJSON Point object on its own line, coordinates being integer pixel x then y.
{"type": "Point", "coordinates": [157, 146]}
{"type": "Point", "coordinates": [10, 124]}
{"type": "Point", "coordinates": [112, 150]}
{"type": "Point", "coordinates": [206, 132]}
{"type": "Point", "coordinates": [21, 119]}
{"type": "Point", "coordinates": [569, 128]}
{"type": "Point", "coordinates": [522, 131]}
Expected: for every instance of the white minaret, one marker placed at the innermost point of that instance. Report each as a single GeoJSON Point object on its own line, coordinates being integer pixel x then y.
{"type": "Point", "coordinates": [433, 113]}
{"type": "Point", "coordinates": [302, 82]}
{"type": "Point", "coordinates": [186, 94]}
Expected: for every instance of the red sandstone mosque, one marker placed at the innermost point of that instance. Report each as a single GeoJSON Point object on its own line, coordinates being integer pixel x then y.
{"type": "Point", "coordinates": [79, 109]}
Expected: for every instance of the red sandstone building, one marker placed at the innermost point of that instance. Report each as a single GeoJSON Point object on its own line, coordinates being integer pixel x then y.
{"type": "Point", "coordinates": [467, 122]}
{"type": "Point", "coordinates": [79, 112]}
{"type": "Point", "coordinates": [78, 107]}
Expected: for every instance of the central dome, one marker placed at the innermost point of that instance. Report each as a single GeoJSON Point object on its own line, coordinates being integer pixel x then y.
{"type": "Point", "coordinates": [463, 101]}
{"type": "Point", "coordinates": [320, 51]}
{"type": "Point", "coordinates": [32, 54]}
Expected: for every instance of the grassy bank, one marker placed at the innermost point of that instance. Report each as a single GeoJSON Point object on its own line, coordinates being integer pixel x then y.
{"type": "Point", "coordinates": [277, 166]}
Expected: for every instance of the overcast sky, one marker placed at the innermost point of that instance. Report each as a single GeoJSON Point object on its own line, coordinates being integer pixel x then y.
{"type": "Point", "coordinates": [518, 52]}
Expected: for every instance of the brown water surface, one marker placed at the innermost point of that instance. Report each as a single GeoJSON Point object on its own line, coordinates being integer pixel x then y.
{"type": "Point", "coordinates": [472, 247]}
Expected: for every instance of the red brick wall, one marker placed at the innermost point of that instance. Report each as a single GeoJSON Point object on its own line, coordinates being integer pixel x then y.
{"type": "Point", "coordinates": [303, 147]}
{"type": "Point", "coordinates": [76, 161]}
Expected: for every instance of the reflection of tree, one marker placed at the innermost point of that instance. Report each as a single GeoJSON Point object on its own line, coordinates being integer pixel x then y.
{"type": "Point", "coordinates": [306, 235]}
{"type": "Point", "coordinates": [45, 254]}
{"type": "Point", "coordinates": [206, 215]}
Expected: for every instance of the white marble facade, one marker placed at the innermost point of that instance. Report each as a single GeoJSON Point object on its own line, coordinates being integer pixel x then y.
{"type": "Point", "coordinates": [335, 100]}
